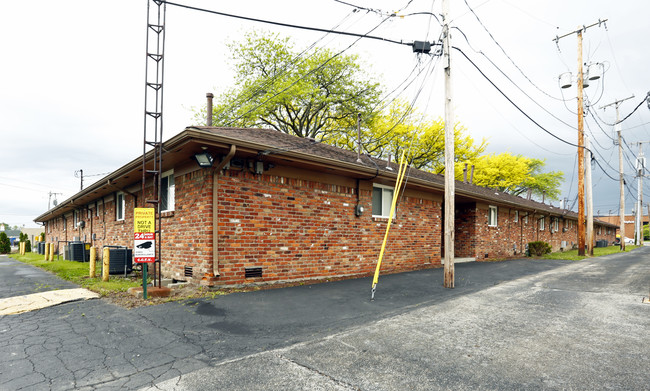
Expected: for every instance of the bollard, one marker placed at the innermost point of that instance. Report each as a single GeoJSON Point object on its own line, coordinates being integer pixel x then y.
{"type": "Point", "coordinates": [22, 248]}
{"type": "Point", "coordinates": [51, 258]}
{"type": "Point", "coordinates": [105, 264]}
{"type": "Point", "coordinates": [93, 260]}
{"type": "Point", "coordinates": [47, 251]}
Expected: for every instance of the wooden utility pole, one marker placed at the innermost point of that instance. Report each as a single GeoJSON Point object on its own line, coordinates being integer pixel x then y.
{"type": "Point", "coordinates": [450, 202]}
{"type": "Point", "coordinates": [581, 145]}
{"type": "Point", "coordinates": [590, 201]}
{"type": "Point", "coordinates": [581, 155]}
{"type": "Point", "coordinates": [621, 222]}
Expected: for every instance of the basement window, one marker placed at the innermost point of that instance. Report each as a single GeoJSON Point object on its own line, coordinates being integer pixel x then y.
{"type": "Point", "coordinates": [382, 199]}
{"type": "Point", "coordinates": [492, 216]}
{"type": "Point", "coordinates": [167, 191]}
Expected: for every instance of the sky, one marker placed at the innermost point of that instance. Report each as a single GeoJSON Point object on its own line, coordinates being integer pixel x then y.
{"type": "Point", "coordinates": [72, 80]}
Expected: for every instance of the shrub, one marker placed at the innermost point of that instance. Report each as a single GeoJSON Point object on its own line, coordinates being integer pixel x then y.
{"type": "Point", "coordinates": [5, 244]}
{"type": "Point", "coordinates": [28, 246]}
{"type": "Point", "coordinates": [539, 248]}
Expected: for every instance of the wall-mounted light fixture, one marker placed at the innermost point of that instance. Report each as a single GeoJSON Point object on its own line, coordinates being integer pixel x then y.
{"type": "Point", "coordinates": [204, 159]}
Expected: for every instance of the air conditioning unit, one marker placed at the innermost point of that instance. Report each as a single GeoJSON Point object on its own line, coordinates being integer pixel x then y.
{"type": "Point", "coordinates": [121, 261]}
{"type": "Point", "coordinates": [563, 245]}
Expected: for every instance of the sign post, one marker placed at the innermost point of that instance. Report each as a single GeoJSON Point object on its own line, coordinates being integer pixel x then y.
{"type": "Point", "coordinates": [144, 241]}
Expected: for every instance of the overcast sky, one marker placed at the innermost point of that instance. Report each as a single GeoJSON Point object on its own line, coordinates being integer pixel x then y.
{"type": "Point", "coordinates": [72, 79]}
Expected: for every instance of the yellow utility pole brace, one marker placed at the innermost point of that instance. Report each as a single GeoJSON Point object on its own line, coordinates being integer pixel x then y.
{"type": "Point", "coordinates": [398, 184]}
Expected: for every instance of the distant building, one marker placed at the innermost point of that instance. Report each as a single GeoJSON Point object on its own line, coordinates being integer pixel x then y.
{"type": "Point", "coordinates": [629, 223]}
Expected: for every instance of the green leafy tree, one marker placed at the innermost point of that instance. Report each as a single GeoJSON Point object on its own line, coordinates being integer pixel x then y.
{"type": "Point", "coordinates": [515, 174]}
{"type": "Point", "coordinates": [307, 94]}
{"type": "Point", "coordinates": [403, 129]}
{"type": "Point", "coordinates": [5, 244]}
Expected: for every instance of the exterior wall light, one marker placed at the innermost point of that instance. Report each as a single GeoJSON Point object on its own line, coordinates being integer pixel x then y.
{"type": "Point", "coordinates": [204, 159]}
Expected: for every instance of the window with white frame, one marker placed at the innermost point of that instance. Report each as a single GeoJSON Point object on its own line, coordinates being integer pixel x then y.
{"type": "Point", "coordinates": [526, 219]}
{"type": "Point", "coordinates": [542, 223]}
{"type": "Point", "coordinates": [75, 218]}
{"type": "Point", "coordinates": [516, 218]}
{"type": "Point", "coordinates": [492, 216]}
{"type": "Point", "coordinates": [120, 205]}
{"type": "Point", "coordinates": [556, 224]}
{"type": "Point", "coordinates": [600, 230]}
{"type": "Point", "coordinates": [167, 191]}
{"type": "Point", "coordinates": [382, 199]}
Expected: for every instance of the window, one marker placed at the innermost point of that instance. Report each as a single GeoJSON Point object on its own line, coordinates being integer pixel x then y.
{"type": "Point", "coordinates": [516, 219]}
{"type": "Point", "coordinates": [75, 218]}
{"type": "Point", "coordinates": [600, 230]}
{"type": "Point", "coordinates": [556, 224]}
{"type": "Point", "coordinates": [167, 190]}
{"type": "Point", "coordinates": [382, 198]}
{"type": "Point", "coordinates": [542, 222]}
{"type": "Point", "coordinates": [526, 219]}
{"type": "Point", "coordinates": [120, 205]}
{"type": "Point", "coordinates": [492, 216]}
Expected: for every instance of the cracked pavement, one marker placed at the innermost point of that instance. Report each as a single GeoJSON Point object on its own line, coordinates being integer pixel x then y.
{"type": "Point", "coordinates": [522, 324]}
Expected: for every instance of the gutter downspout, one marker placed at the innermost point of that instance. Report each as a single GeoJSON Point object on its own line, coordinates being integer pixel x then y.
{"type": "Point", "coordinates": [215, 210]}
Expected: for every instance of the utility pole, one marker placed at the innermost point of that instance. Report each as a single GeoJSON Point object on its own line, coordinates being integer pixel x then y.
{"type": "Point", "coordinates": [80, 174]}
{"type": "Point", "coordinates": [621, 224]}
{"type": "Point", "coordinates": [581, 149]}
{"type": "Point", "coordinates": [50, 199]}
{"type": "Point", "coordinates": [581, 155]}
{"type": "Point", "coordinates": [449, 154]}
{"type": "Point", "coordinates": [590, 201]}
{"type": "Point", "coordinates": [640, 171]}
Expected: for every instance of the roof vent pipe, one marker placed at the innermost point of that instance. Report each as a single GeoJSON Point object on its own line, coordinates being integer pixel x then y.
{"type": "Point", "coordinates": [359, 138]}
{"type": "Point", "coordinates": [208, 121]}
{"type": "Point", "coordinates": [388, 167]}
{"type": "Point", "coordinates": [471, 175]}
{"type": "Point", "coordinates": [465, 174]}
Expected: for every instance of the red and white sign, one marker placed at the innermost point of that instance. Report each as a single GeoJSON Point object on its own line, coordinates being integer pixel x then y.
{"type": "Point", "coordinates": [144, 249]}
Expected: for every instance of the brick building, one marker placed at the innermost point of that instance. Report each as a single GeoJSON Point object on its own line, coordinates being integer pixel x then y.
{"type": "Point", "coordinates": [274, 207]}
{"type": "Point", "coordinates": [629, 223]}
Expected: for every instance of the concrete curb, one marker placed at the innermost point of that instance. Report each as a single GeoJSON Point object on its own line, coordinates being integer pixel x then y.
{"type": "Point", "coordinates": [35, 301]}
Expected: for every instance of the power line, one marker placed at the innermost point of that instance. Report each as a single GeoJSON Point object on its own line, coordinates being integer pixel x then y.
{"type": "Point", "coordinates": [506, 54]}
{"type": "Point", "coordinates": [514, 104]}
{"type": "Point", "coordinates": [288, 24]}
{"type": "Point", "coordinates": [515, 84]}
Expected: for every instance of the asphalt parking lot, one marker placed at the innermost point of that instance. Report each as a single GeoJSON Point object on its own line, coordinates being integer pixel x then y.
{"type": "Point", "coordinates": [521, 324]}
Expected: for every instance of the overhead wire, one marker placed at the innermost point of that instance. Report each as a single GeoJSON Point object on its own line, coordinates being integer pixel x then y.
{"type": "Point", "coordinates": [506, 54]}
{"type": "Point", "coordinates": [287, 24]}
{"type": "Point", "coordinates": [512, 81]}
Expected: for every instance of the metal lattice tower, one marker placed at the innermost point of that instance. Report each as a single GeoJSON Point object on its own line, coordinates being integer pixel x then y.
{"type": "Point", "coordinates": [153, 116]}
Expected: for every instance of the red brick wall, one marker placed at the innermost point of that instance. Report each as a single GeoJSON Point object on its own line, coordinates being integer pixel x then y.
{"type": "Point", "coordinates": [297, 228]}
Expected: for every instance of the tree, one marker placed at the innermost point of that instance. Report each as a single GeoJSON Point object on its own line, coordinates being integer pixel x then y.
{"type": "Point", "coordinates": [308, 94]}
{"type": "Point", "coordinates": [515, 174]}
{"type": "Point", "coordinates": [402, 128]}
{"type": "Point", "coordinates": [5, 244]}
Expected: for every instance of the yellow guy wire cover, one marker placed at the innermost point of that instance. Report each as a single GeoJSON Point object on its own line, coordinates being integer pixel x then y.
{"type": "Point", "coordinates": [398, 183]}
